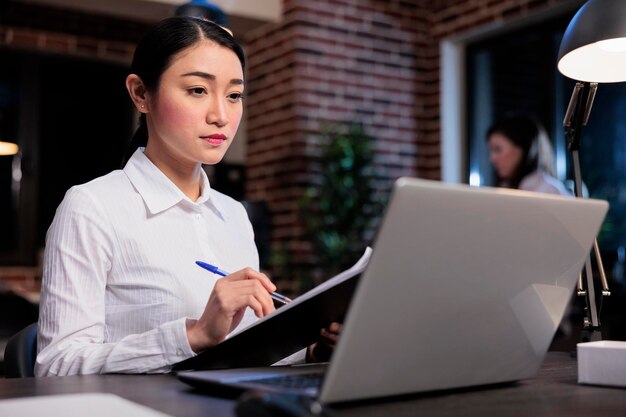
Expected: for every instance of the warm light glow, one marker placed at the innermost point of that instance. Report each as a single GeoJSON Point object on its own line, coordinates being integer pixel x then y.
{"type": "Point", "coordinates": [8, 148]}
{"type": "Point", "coordinates": [616, 45]}
{"type": "Point", "coordinates": [600, 62]}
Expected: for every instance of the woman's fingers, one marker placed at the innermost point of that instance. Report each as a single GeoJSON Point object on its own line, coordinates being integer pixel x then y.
{"type": "Point", "coordinates": [235, 295]}
{"type": "Point", "coordinates": [335, 327]}
{"type": "Point", "coordinates": [227, 304]}
{"type": "Point", "coordinates": [250, 274]}
{"type": "Point", "coordinates": [330, 334]}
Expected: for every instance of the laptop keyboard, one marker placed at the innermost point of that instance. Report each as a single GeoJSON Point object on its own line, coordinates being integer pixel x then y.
{"type": "Point", "coordinates": [300, 381]}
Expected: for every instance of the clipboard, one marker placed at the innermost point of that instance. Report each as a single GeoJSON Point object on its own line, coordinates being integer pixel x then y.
{"type": "Point", "coordinates": [287, 330]}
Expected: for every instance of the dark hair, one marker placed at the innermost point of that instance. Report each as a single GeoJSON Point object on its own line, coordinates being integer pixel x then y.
{"type": "Point", "coordinates": [156, 49]}
{"type": "Point", "coordinates": [528, 134]}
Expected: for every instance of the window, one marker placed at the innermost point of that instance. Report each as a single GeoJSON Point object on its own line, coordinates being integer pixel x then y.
{"type": "Point", "coordinates": [73, 121]}
{"type": "Point", "coordinates": [9, 108]}
{"type": "Point", "coordinates": [517, 72]}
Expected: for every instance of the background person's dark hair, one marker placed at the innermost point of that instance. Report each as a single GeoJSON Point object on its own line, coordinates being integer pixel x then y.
{"type": "Point", "coordinates": [528, 134]}
{"type": "Point", "coordinates": [156, 49]}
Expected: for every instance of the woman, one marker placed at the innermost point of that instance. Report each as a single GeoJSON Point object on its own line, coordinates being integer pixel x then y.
{"type": "Point", "coordinates": [521, 155]}
{"type": "Point", "coordinates": [121, 291]}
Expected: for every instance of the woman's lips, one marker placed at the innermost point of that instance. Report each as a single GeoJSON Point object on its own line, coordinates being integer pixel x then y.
{"type": "Point", "coordinates": [216, 139]}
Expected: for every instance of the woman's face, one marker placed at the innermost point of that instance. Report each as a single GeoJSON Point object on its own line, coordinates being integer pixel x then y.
{"type": "Point", "coordinates": [504, 155]}
{"type": "Point", "coordinates": [195, 113]}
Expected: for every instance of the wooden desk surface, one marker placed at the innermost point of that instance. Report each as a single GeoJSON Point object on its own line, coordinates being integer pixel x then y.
{"type": "Point", "coordinates": [554, 392]}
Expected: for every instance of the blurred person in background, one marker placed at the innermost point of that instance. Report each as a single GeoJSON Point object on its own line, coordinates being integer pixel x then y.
{"type": "Point", "coordinates": [521, 154]}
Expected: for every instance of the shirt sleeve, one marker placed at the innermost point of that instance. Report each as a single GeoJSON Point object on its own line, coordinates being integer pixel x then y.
{"type": "Point", "coordinates": [71, 334]}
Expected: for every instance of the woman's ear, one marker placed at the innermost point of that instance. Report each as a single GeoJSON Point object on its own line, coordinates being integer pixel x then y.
{"type": "Point", "coordinates": [137, 92]}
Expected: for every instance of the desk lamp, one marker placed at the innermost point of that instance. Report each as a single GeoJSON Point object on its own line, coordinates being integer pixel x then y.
{"type": "Point", "coordinates": [8, 148]}
{"type": "Point", "coordinates": [593, 50]}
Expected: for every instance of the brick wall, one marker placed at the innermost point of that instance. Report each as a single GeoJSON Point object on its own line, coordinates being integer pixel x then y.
{"type": "Point", "coordinates": [375, 62]}
{"type": "Point", "coordinates": [59, 31]}
{"type": "Point", "coordinates": [331, 62]}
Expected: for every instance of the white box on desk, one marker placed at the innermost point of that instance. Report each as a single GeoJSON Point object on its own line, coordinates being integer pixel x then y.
{"type": "Point", "coordinates": [602, 363]}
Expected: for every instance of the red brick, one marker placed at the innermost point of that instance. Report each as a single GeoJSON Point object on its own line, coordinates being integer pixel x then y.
{"type": "Point", "coordinates": [25, 38]}
{"type": "Point", "coordinates": [60, 43]}
{"type": "Point", "coordinates": [87, 46]}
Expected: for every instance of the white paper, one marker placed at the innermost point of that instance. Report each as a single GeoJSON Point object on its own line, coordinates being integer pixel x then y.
{"type": "Point", "coordinates": [75, 405]}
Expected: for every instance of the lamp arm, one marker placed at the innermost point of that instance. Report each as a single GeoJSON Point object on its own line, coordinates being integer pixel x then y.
{"type": "Point", "coordinates": [576, 116]}
{"type": "Point", "coordinates": [577, 113]}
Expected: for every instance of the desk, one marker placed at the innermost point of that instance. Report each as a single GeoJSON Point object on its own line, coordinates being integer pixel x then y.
{"type": "Point", "coordinates": [554, 392]}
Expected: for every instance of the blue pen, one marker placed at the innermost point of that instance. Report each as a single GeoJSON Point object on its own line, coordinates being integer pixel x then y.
{"type": "Point", "coordinates": [276, 296]}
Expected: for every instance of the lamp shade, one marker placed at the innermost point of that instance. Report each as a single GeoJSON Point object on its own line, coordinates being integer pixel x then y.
{"type": "Point", "coordinates": [8, 148]}
{"type": "Point", "coordinates": [593, 48]}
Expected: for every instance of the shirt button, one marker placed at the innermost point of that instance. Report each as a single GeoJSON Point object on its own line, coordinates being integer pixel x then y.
{"type": "Point", "coordinates": [179, 352]}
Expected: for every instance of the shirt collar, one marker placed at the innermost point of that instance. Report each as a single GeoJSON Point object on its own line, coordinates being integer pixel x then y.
{"type": "Point", "coordinates": [159, 192]}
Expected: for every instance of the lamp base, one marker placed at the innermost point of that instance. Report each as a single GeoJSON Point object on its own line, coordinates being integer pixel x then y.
{"type": "Point", "coordinates": [590, 334]}
{"type": "Point", "coordinates": [587, 334]}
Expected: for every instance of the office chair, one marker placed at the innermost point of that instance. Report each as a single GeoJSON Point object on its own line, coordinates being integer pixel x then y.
{"type": "Point", "coordinates": [20, 353]}
{"type": "Point", "coordinates": [261, 220]}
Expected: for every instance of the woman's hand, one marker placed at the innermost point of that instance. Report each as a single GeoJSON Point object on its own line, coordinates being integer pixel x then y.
{"type": "Point", "coordinates": [227, 304]}
{"type": "Point", "coordinates": [322, 349]}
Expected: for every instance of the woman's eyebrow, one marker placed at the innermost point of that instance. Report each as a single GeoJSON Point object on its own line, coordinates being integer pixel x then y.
{"type": "Point", "coordinates": [210, 77]}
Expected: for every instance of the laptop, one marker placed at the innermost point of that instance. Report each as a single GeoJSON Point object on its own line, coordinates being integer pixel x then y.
{"type": "Point", "coordinates": [465, 287]}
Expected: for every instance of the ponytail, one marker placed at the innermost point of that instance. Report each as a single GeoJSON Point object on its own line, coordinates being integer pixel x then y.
{"type": "Point", "coordinates": [140, 139]}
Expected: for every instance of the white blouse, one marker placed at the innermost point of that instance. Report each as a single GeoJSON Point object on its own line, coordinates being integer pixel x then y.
{"type": "Point", "coordinates": [120, 278]}
{"type": "Point", "coordinates": [541, 182]}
